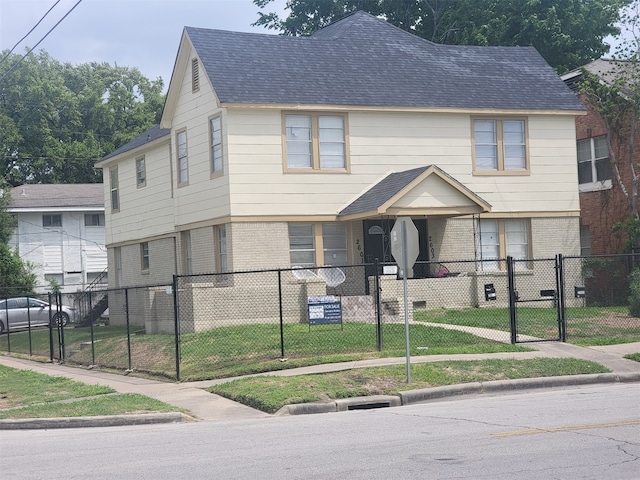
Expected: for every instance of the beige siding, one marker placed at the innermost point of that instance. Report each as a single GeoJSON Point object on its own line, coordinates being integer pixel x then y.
{"type": "Point", "coordinates": [385, 142]}
{"type": "Point", "coordinates": [144, 212]}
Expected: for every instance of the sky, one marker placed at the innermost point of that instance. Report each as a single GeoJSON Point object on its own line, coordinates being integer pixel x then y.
{"type": "Point", "coordinates": [130, 33]}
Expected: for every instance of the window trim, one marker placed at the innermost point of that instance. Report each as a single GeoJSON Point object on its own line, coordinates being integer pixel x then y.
{"type": "Point", "coordinates": [181, 182]}
{"type": "Point", "coordinates": [141, 180]}
{"type": "Point", "coordinates": [51, 216]}
{"type": "Point", "coordinates": [315, 148]}
{"type": "Point", "coordinates": [318, 243]}
{"type": "Point", "coordinates": [187, 253]}
{"type": "Point", "coordinates": [598, 185]}
{"type": "Point", "coordinates": [500, 146]}
{"type": "Point", "coordinates": [145, 262]}
{"type": "Point", "coordinates": [100, 223]}
{"type": "Point", "coordinates": [114, 189]}
{"type": "Point", "coordinates": [213, 172]}
{"type": "Point", "coordinates": [502, 244]}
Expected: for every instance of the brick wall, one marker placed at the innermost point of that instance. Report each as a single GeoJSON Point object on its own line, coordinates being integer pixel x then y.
{"type": "Point", "coordinates": [602, 209]}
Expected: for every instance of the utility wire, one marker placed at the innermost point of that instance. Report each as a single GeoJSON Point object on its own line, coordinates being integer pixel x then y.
{"type": "Point", "coordinates": [28, 33]}
{"type": "Point", "coordinates": [13, 67]}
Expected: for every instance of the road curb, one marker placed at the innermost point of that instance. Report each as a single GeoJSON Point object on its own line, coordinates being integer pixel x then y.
{"type": "Point", "coordinates": [425, 394]}
{"type": "Point", "coordinates": [94, 421]}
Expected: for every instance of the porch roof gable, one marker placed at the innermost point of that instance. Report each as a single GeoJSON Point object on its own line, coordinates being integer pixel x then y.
{"type": "Point", "coordinates": [427, 190]}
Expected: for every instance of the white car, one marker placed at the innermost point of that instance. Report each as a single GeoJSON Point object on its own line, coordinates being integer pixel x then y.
{"type": "Point", "coordinates": [22, 312]}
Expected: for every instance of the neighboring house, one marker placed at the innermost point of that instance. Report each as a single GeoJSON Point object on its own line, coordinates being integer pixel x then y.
{"type": "Point", "coordinates": [60, 230]}
{"type": "Point", "coordinates": [602, 202]}
{"type": "Point", "coordinates": [277, 151]}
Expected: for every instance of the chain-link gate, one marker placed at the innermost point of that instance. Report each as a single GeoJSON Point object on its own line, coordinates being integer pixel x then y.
{"type": "Point", "coordinates": [536, 300]}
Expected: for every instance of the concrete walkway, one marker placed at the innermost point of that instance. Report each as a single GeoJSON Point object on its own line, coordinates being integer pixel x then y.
{"type": "Point", "coordinates": [206, 406]}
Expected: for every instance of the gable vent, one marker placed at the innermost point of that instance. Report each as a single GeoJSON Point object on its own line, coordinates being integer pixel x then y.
{"type": "Point", "coordinates": [195, 75]}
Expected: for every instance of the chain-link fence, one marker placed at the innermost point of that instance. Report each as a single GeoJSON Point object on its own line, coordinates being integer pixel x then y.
{"type": "Point", "coordinates": [597, 307]}
{"type": "Point", "coordinates": [221, 325]}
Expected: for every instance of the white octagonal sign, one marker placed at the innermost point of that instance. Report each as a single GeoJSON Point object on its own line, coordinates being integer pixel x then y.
{"type": "Point", "coordinates": [413, 244]}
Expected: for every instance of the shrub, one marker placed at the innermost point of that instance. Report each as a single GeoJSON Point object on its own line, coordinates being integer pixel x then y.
{"type": "Point", "coordinates": [634, 293]}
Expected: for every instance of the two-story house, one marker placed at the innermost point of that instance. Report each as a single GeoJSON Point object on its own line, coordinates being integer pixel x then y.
{"type": "Point", "coordinates": [60, 231]}
{"type": "Point", "coordinates": [278, 151]}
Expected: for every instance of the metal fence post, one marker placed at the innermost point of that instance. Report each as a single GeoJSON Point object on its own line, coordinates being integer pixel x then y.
{"type": "Point", "coordinates": [281, 314]}
{"type": "Point", "coordinates": [126, 309]}
{"type": "Point", "coordinates": [560, 287]}
{"type": "Point", "coordinates": [511, 282]}
{"type": "Point", "coordinates": [176, 322]}
{"type": "Point", "coordinates": [378, 312]}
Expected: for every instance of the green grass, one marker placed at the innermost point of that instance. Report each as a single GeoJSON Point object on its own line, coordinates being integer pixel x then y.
{"type": "Point", "coordinates": [586, 326]}
{"type": "Point", "coordinates": [247, 349]}
{"type": "Point", "coordinates": [28, 394]}
{"type": "Point", "coordinates": [240, 350]}
{"type": "Point", "coordinates": [633, 356]}
{"type": "Point", "coordinates": [270, 393]}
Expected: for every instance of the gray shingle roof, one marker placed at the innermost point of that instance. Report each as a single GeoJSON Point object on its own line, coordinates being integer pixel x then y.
{"type": "Point", "coordinates": [58, 195]}
{"type": "Point", "coordinates": [364, 61]}
{"type": "Point", "coordinates": [149, 136]}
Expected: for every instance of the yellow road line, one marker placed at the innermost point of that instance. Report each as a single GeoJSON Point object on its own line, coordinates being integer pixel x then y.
{"type": "Point", "coordinates": [568, 428]}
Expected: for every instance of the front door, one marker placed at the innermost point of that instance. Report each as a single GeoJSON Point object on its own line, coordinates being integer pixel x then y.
{"type": "Point", "coordinates": [377, 245]}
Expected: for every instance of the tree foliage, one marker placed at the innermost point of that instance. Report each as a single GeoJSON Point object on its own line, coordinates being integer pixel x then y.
{"type": "Point", "coordinates": [16, 276]}
{"type": "Point", "coordinates": [57, 119]}
{"type": "Point", "coordinates": [567, 33]}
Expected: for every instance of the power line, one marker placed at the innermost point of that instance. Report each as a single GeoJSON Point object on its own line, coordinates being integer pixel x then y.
{"type": "Point", "coordinates": [13, 67]}
{"type": "Point", "coordinates": [28, 33]}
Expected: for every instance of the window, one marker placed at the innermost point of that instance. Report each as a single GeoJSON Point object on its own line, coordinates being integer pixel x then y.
{"type": "Point", "coordinates": [117, 253]}
{"type": "Point", "coordinates": [115, 199]}
{"type": "Point", "coordinates": [144, 256]}
{"type": "Point", "coordinates": [186, 245]}
{"type": "Point", "coordinates": [499, 145]}
{"type": "Point", "coordinates": [223, 265]}
{"type": "Point", "coordinates": [195, 75]}
{"type": "Point", "coordinates": [302, 250]}
{"type": "Point", "coordinates": [181, 142]}
{"type": "Point", "coordinates": [58, 278]}
{"type": "Point", "coordinates": [594, 168]}
{"type": "Point", "coordinates": [51, 220]}
{"type": "Point", "coordinates": [94, 220]}
{"type": "Point", "coordinates": [315, 142]}
{"type": "Point", "coordinates": [317, 244]}
{"type": "Point", "coordinates": [334, 242]}
{"type": "Point", "coordinates": [585, 240]}
{"type": "Point", "coordinates": [499, 239]}
{"type": "Point", "coordinates": [141, 172]}
{"type": "Point", "coordinates": [216, 145]}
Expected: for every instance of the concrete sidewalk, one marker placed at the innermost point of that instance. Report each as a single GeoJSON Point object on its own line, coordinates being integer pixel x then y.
{"type": "Point", "coordinates": [206, 406]}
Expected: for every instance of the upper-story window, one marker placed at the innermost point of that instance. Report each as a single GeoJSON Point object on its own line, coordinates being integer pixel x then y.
{"type": "Point", "coordinates": [94, 220]}
{"type": "Point", "coordinates": [500, 145]}
{"type": "Point", "coordinates": [113, 184]}
{"type": "Point", "coordinates": [52, 220]}
{"type": "Point", "coordinates": [316, 142]}
{"type": "Point", "coordinates": [215, 131]}
{"type": "Point", "coordinates": [141, 172]}
{"type": "Point", "coordinates": [183, 166]}
{"type": "Point", "coordinates": [594, 168]}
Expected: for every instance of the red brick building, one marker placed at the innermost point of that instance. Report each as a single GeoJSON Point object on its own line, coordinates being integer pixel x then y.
{"type": "Point", "coordinates": [602, 200]}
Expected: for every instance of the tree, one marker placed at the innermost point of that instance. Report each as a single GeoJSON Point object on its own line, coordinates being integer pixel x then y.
{"type": "Point", "coordinates": [567, 33]}
{"type": "Point", "coordinates": [57, 120]}
{"type": "Point", "coordinates": [16, 276]}
{"type": "Point", "coordinates": [614, 94]}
